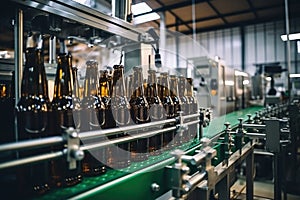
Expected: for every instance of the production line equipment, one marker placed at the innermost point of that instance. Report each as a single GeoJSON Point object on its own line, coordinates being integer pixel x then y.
{"type": "Point", "coordinates": [202, 168]}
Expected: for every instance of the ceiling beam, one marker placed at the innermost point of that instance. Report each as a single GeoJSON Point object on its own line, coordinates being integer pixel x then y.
{"type": "Point", "coordinates": [252, 8]}
{"type": "Point", "coordinates": [177, 18]}
{"type": "Point", "coordinates": [217, 12]}
{"type": "Point", "coordinates": [231, 25]}
{"type": "Point", "coordinates": [226, 15]}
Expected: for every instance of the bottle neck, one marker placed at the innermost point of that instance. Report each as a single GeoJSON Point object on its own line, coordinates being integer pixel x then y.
{"type": "Point", "coordinates": [182, 87]}
{"type": "Point", "coordinates": [190, 87]}
{"type": "Point", "coordinates": [75, 83]}
{"type": "Point", "coordinates": [104, 85]}
{"type": "Point", "coordinates": [152, 84]}
{"type": "Point", "coordinates": [34, 82]}
{"type": "Point", "coordinates": [118, 82]}
{"type": "Point", "coordinates": [138, 74]}
{"type": "Point", "coordinates": [165, 92]}
{"type": "Point", "coordinates": [91, 81]}
{"type": "Point", "coordinates": [63, 85]}
{"type": "Point", "coordinates": [173, 86]}
{"type": "Point", "coordinates": [3, 91]}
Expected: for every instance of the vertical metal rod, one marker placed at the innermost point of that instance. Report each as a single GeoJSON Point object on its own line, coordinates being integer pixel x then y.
{"type": "Point", "coordinates": [249, 175]}
{"type": "Point", "coordinates": [288, 46]}
{"type": "Point", "coordinates": [18, 37]}
{"type": "Point", "coordinates": [52, 50]}
{"type": "Point", "coordinates": [277, 177]}
{"type": "Point", "coordinates": [224, 188]}
{"type": "Point", "coordinates": [162, 29]}
{"type": "Point", "coordinates": [177, 43]}
{"type": "Point", "coordinates": [194, 20]}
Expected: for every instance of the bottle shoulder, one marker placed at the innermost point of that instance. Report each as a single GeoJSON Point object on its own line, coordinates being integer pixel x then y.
{"type": "Point", "coordinates": [33, 103]}
{"type": "Point", "coordinates": [62, 103]}
{"type": "Point", "coordinates": [92, 102]}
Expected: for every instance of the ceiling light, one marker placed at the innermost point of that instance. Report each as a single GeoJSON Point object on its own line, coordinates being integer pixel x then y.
{"type": "Point", "coordinates": [139, 9]}
{"type": "Point", "coordinates": [246, 82]}
{"type": "Point", "coordinates": [294, 36]}
{"type": "Point", "coordinates": [294, 75]}
{"type": "Point", "coordinates": [239, 73]}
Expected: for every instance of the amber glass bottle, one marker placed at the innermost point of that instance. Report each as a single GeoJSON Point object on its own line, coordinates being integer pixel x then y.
{"type": "Point", "coordinates": [139, 115]}
{"type": "Point", "coordinates": [168, 108]}
{"type": "Point", "coordinates": [105, 96]}
{"type": "Point", "coordinates": [177, 105]}
{"type": "Point", "coordinates": [93, 117]}
{"type": "Point", "coordinates": [193, 108]}
{"type": "Point", "coordinates": [76, 99]}
{"type": "Point", "coordinates": [62, 114]}
{"type": "Point", "coordinates": [119, 155]}
{"type": "Point", "coordinates": [184, 102]}
{"type": "Point", "coordinates": [156, 112]}
{"type": "Point", "coordinates": [32, 117]}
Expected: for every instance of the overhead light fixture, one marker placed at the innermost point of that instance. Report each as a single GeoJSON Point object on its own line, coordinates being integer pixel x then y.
{"type": "Point", "coordinates": [268, 78]}
{"type": "Point", "coordinates": [294, 75]}
{"type": "Point", "coordinates": [246, 82]}
{"type": "Point", "coordinates": [139, 9]}
{"type": "Point", "coordinates": [294, 36]}
{"type": "Point", "coordinates": [239, 73]}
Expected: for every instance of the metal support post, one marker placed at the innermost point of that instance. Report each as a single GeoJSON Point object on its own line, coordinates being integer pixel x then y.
{"type": "Point", "coordinates": [224, 188]}
{"type": "Point", "coordinates": [18, 36]}
{"type": "Point", "coordinates": [249, 175]}
{"type": "Point", "coordinates": [277, 177]}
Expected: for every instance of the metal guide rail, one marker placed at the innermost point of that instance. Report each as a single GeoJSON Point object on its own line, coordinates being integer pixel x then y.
{"type": "Point", "coordinates": [148, 178]}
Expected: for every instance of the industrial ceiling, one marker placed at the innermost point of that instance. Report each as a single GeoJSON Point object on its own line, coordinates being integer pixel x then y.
{"type": "Point", "coordinates": [219, 14]}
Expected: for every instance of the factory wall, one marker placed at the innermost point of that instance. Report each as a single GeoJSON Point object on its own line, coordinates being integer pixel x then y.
{"type": "Point", "coordinates": [262, 45]}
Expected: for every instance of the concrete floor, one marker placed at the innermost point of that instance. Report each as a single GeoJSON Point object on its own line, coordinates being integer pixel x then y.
{"type": "Point", "coordinates": [262, 191]}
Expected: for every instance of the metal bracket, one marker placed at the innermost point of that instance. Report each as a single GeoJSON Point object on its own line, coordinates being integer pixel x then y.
{"type": "Point", "coordinates": [73, 151]}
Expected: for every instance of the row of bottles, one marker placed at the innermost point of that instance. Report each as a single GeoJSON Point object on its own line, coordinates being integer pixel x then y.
{"type": "Point", "coordinates": [109, 100]}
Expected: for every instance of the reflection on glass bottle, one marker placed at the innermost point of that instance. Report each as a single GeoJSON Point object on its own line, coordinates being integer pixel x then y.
{"type": "Point", "coordinates": [93, 117]}
{"type": "Point", "coordinates": [156, 112]}
{"type": "Point", "coordinates": [62, 114]}
{"type": "Point", "coordinates": [76, 99]}
{"type": "Point", "coordinates": [177, 104]}
{"type": "Point", "coordinates": [32, 117]}
{"type": "Point", "coordinates": [184, 102]}
{"type": "Point", "coordinates": [139, 115]}
{"type": "Point", "coordinates": [119, 155]}
{"type": "Point", "coordinates": [193, 108]}
{"type": "Point", "coordinates": [168, 108]}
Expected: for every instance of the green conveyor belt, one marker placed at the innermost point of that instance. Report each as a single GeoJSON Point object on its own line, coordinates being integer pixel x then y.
{"type": "Point", "coordinates": [216, 126]}
{"type": "Point", "coordinates": [121, 188]}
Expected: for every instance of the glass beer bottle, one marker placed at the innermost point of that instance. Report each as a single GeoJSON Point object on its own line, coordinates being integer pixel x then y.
{"type": "Point", "coordinates": [119, 155]}
{"type": "Point", "coordinates": [32, 117]}
{"type": "Point", "coordinates": [76, 99]}
{"type": "Point", "coordinates": [155, 111]}
{"type": "Point", "coordinates": [177, 105]}
{"type": "Point", "coordinates": [140, 115]}
{"type": "Point", "coordinates": [62, 107]}
{"type": "Point", "coordinates": [168, 108]}
{"type": "Point", "coordinates": [93, 117]}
